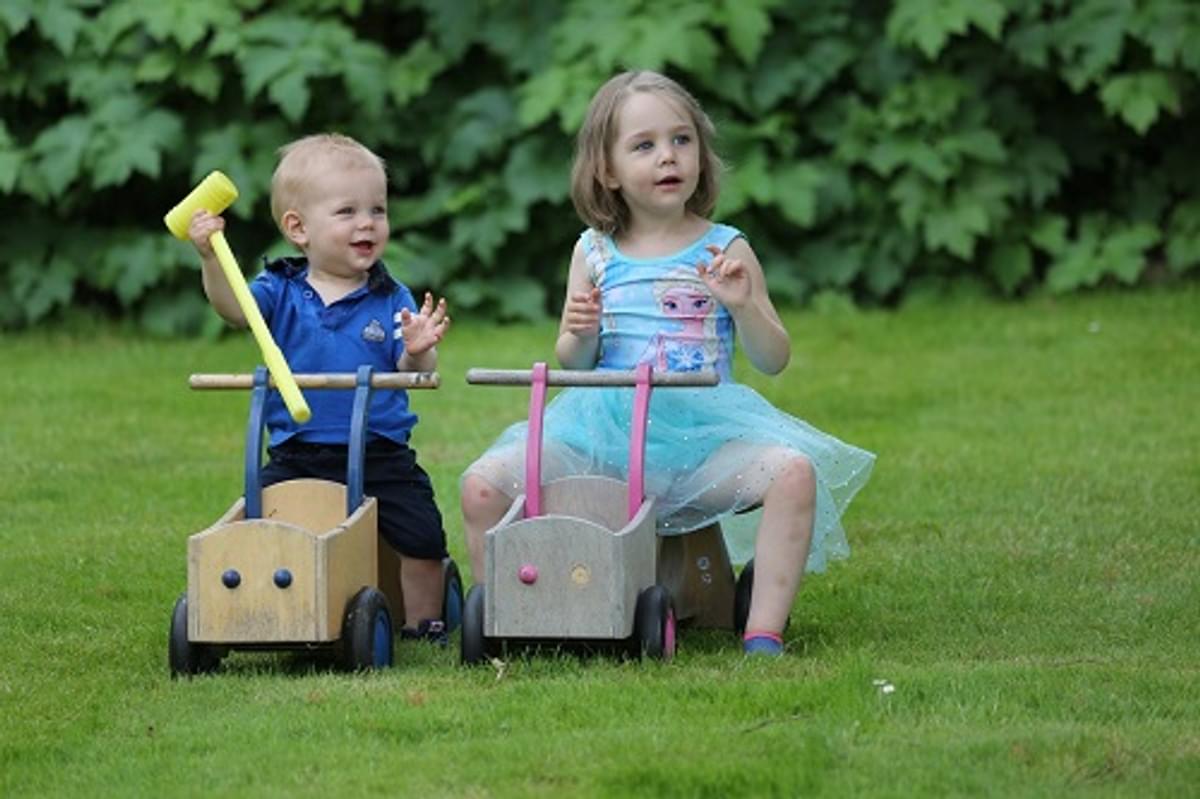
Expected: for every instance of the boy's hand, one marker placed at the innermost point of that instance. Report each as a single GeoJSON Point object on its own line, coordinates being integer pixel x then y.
{"type": "Point", "coordinates": [582, 313]}
{"type": "Point", "coordinates": [423, 330]}
{"type": "Point", "coordinates": [200, 230]}
{"type": "Point", "coordinates": [726, 278]}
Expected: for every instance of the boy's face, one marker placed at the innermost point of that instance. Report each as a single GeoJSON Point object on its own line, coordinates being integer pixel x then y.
{"type": "Point", "coordinates": [655, 158]}
{"type": "Point", "coordinates": [341, 221]}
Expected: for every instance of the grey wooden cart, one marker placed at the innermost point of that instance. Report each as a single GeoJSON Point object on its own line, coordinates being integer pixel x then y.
{"type": "Point", "coordinates": [578, 559]}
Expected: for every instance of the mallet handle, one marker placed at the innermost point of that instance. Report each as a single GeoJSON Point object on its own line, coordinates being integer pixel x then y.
{"type": "Point", "coordinates": [272, 356]}
{"type": "Point", "coordinates": [324, 380]}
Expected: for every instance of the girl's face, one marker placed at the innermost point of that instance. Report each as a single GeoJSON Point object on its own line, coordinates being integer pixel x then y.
{"type": "Point", "coordinates": [654, 161]}
{"type": "Point", "coordinates": [343, 220]}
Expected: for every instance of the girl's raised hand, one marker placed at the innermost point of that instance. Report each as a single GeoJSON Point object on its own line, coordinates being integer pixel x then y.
{"type": "Point", "coordinates": [726, 278]}
{"type": "Point", "coordinates": [423, 330]}
{"type": "Point", "coordinates": [582, 313]}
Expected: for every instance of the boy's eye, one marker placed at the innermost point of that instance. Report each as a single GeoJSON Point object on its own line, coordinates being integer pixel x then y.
{"type": "Point", "coordinates": [379, 210]}
{"type": "Point", "coordinates": [344, 210]}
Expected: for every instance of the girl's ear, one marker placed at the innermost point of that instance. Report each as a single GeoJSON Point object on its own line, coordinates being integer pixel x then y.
{"type": "Point", "coordinates": [293, 227]}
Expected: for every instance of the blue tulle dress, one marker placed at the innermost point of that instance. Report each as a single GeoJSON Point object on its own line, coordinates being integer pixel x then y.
{"type": "Point", "coordinates": [710, 452]}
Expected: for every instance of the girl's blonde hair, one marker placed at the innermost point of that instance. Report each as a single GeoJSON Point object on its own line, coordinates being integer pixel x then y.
{"type": "Point", "coordinates": [302, 160]}
{"type": "Point", "coordinates": [603, 208]}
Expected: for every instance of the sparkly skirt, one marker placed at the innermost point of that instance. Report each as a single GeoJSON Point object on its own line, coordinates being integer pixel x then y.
{"type": "Point", "coordinates": [711, 454]}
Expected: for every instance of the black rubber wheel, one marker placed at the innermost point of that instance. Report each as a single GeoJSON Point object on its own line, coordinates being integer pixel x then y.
{"type": "Point", "coordinates": [654, 624]}
{"type": "Point", "coordinates": [367, 632]}
{"type": "Point", "coordinates": [475, 647]}
{"type": "Point", "coordinates": [452, 596]}
{"type": "Point", "coordinates": [185, 657]}
{"type": "Point", "coordinates": [741, 598]}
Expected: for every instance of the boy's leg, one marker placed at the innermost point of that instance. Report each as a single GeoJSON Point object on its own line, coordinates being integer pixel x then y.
{"type": "Point", "coordinates": [421, 583]}
{"type": "Point", "coordinates": [411, 524]}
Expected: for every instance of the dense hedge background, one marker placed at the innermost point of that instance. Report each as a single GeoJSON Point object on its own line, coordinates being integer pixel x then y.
{"type": "Point", "coordinates": [876, 149]}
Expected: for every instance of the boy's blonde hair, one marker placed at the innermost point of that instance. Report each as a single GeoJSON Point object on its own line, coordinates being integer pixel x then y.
{"type": "Point", "coordinates": [301, 160]}
{"type": "Point", "coordinates": [603, 208]}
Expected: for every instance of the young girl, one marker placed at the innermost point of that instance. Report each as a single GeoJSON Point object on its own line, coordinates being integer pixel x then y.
{"type": "Point", "coordinates": [652, 279]}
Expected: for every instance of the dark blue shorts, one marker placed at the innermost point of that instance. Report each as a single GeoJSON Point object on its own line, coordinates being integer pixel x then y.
{"type": "Point", "coordinates": [409, 519]}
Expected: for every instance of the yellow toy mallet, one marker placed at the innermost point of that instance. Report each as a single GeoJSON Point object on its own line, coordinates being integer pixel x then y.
{"type": "Point", "coordinates": [214, 194]}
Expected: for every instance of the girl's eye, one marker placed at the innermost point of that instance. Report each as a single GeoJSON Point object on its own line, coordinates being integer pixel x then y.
{"type": "Point", "coordinates": [682, 139]}
{"type": "Point", "coordinates": [345, 211]}
{"type": "Point", "coordinates": [379, 210]}
{"type": "Point", "coordinates": [643, 145]}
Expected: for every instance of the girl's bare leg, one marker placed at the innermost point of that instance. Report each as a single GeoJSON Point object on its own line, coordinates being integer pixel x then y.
{"type": "Point", "coordinates": [784, 483]}
{"type": "Point", "coordinates": [781, 549]}
{"type": "Point", "coordinates": [482, 507]}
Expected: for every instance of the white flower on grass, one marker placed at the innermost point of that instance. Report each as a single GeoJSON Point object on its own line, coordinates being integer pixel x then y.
{"type": "Point", "coordinates": [884, 686]}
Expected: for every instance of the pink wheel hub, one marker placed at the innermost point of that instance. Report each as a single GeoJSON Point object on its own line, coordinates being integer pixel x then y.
{"type": "Point", "coordinates": [669, 636]}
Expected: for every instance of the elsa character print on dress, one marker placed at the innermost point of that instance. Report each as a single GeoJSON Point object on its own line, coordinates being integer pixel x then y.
{"type": "Point", "coordinates": [653, 279]}
{"type": "Point", "coordinates": [332, 310]}
{"type": "Point", "coordinates": [694, 345]}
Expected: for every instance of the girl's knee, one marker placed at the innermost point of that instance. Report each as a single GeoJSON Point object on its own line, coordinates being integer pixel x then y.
{"type": "Point", "coordinates": [796, 480]}
{"type": "Point", "coordinates": [477, 494]}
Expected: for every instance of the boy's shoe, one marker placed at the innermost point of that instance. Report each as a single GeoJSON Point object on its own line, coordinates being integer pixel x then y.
{"type": "Point", "coordinates": [431, 630]}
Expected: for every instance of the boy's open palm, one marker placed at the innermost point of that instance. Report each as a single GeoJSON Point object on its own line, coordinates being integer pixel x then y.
{"type": "Point", "coordinates": [423, 330]}
{"type": "Point", "coordinates": [726, 278]}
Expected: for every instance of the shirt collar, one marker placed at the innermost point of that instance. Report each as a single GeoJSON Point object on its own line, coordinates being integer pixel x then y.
{"type": "Point", "coordinates": [295, 267]}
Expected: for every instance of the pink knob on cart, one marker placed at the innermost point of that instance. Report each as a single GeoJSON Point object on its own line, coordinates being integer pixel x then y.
{"type": "Point", "coordinates": [527, 574]}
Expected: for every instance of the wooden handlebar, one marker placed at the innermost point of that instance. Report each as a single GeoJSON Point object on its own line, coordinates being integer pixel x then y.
{"type": "Point", "coordinates": [589, 377]}
{"type": "Point", "coordinates": [331, 380]}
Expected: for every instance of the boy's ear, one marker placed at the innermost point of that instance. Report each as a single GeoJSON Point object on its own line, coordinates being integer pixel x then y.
{"type": "Point", "coordinates": [293, 227]}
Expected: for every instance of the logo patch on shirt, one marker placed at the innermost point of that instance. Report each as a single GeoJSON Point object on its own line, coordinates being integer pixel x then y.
{"type": "Point", "coordinates": [374, 332]}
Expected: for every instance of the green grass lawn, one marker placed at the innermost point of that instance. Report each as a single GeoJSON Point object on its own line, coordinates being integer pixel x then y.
{"type": "Point", "coordinates": [1024, 577]}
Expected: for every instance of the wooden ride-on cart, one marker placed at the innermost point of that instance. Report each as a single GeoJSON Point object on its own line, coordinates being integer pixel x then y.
{"type": "Point", "coordinates": [299, 564]}
{"type": "Point", "coordinates": [578, 560]}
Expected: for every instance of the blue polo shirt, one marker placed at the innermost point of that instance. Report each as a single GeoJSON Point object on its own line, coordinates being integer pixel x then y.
{"type": "Point", "coordinates": [358, 329]}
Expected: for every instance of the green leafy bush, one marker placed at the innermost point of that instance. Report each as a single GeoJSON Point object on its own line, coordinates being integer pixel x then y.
{"type": "Point", "coordinates": [874, 147]}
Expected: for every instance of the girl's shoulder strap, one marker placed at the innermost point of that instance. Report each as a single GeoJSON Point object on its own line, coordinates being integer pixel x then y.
{"type": "Point", "coordinates": [597, 252]}
{"type": "Point", "coordinates": [722, 235]}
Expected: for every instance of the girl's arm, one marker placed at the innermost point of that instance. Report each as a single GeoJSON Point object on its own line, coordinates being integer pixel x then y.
{"type": "Point", "coordinates": [578, 343]}
{"type": "Point", "coordinates": [736, 279]}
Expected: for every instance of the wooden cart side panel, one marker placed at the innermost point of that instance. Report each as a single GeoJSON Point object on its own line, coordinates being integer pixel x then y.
{"type": "Point", "coordinates": [387, 580]}
{"type": "Point", "coordinates": [316, 505]}
{"type": "Point", "coordinates": [600, 500]}
{"type": "Point", "coordinates": [349, 563]}
{"type": "Point", "coordinates": [637, 546]}
{"type": "Point", "coordinates": [571, 597]}
{"type": "Point", "coordinates": [696, 569]}
{"type": "Point", "coordinates": [256, 611]}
